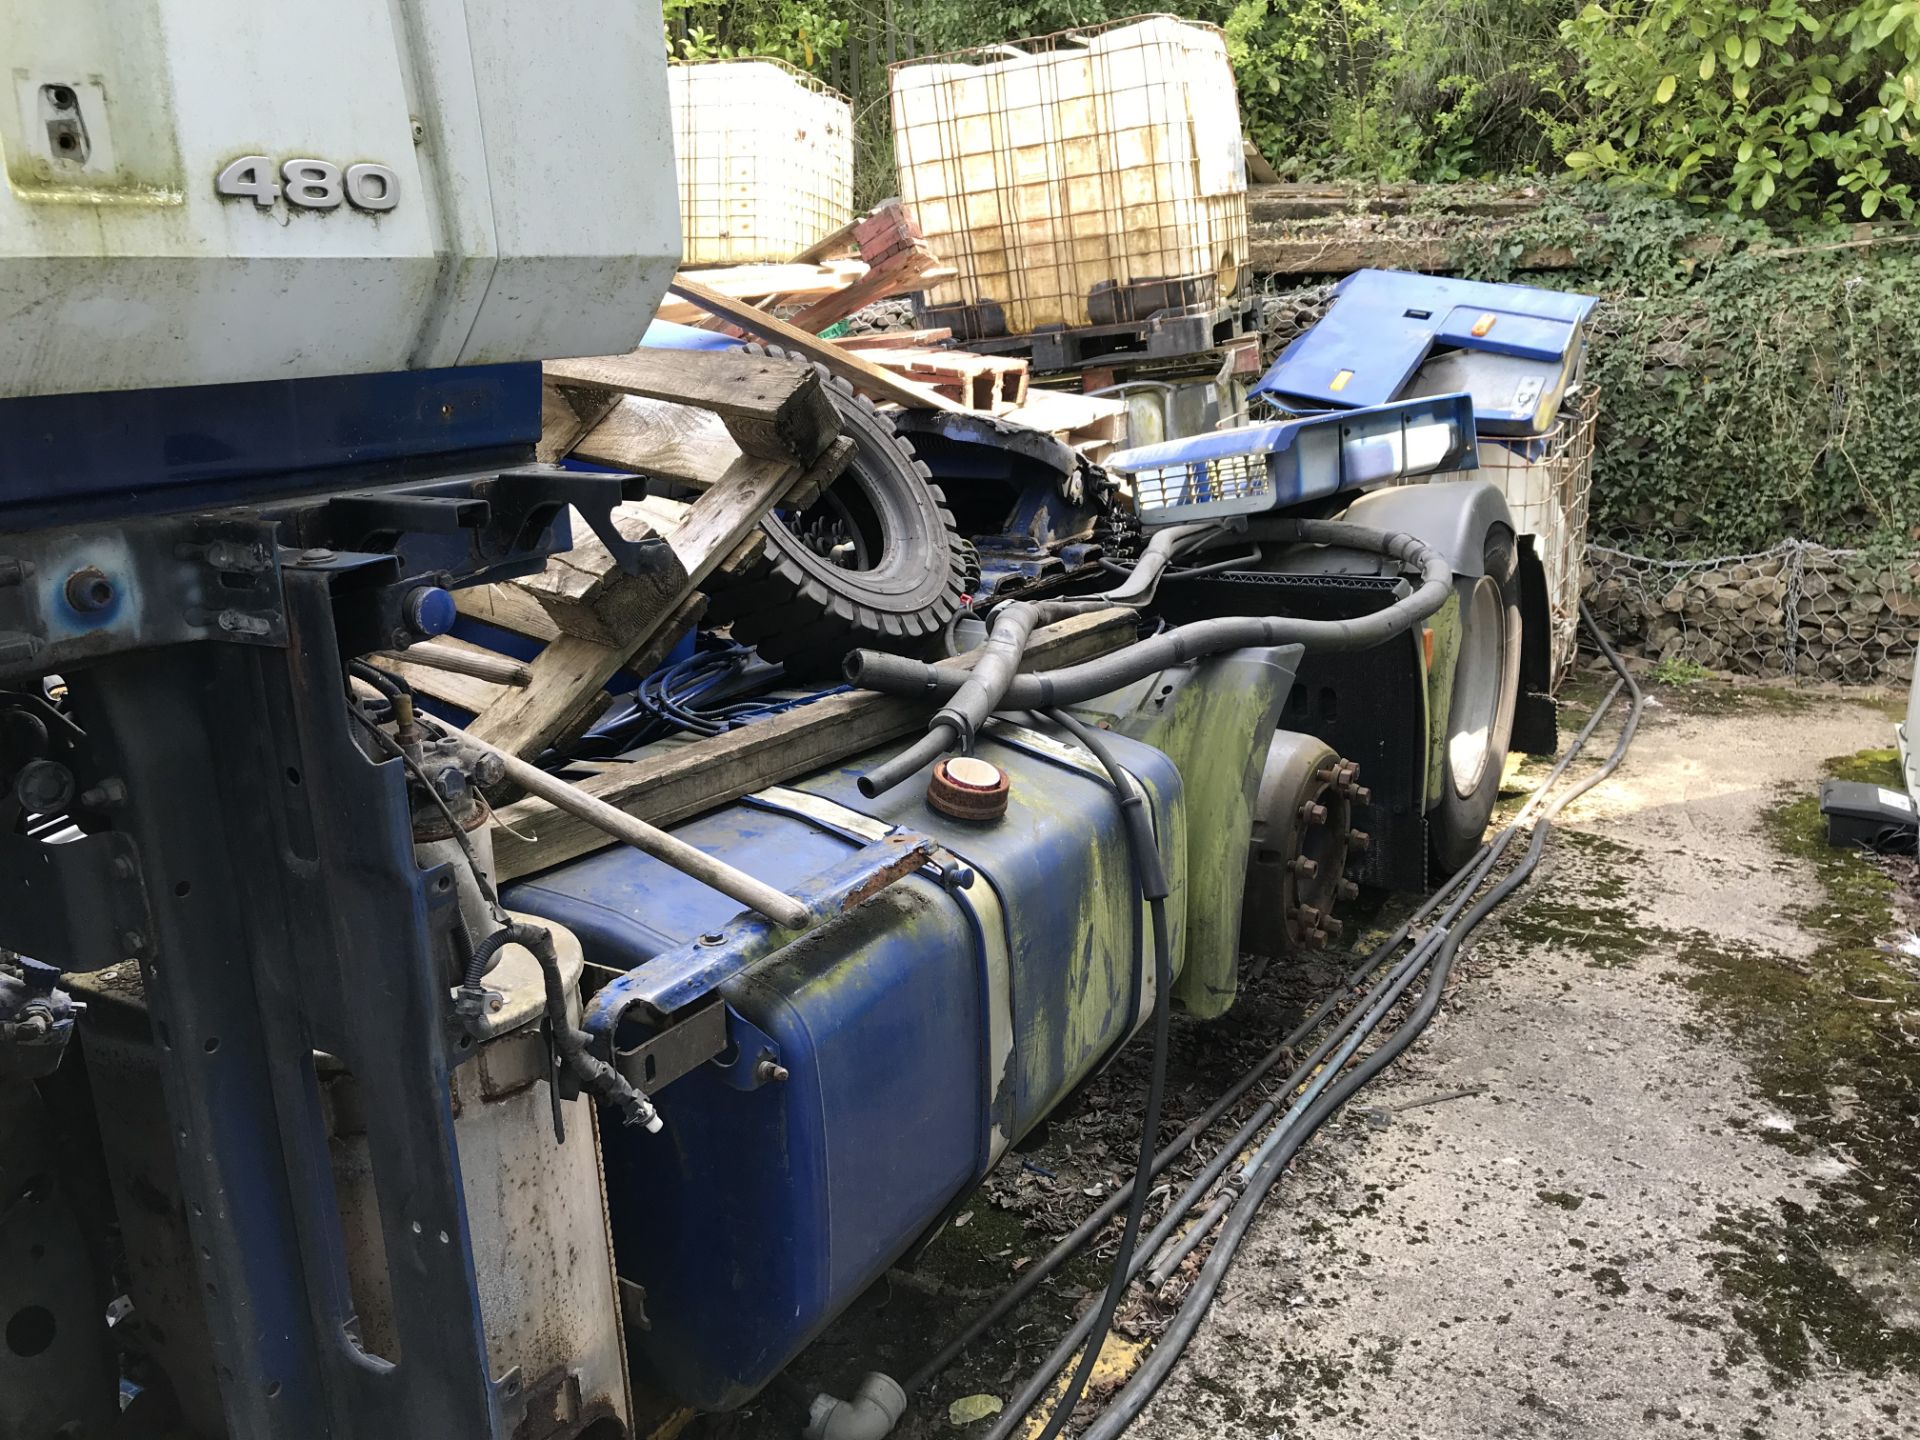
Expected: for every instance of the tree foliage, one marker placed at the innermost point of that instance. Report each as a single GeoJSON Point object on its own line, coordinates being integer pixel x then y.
{"type": "Point", "coordinates": [1751, 103]}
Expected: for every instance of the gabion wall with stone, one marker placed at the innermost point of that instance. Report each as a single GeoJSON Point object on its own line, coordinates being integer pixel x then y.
{"type": "Point", "coordinates": [1799, 610]}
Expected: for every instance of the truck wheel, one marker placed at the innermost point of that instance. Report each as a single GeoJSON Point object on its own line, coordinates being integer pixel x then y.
{"type": "Point", "coordinates": [1486, 682]}
{"type": "Point", "coordinates": [875, 561]}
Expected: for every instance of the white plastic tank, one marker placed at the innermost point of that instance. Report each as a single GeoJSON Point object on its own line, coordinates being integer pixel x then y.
{"type": "Point", "coordinates": [765, 160]}
{"type": "Point", "coordinates": [210, 191]}
{"type": "Point", "coordinates": [1091, 177]}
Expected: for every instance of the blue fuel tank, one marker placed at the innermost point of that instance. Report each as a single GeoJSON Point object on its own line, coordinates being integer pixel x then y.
{"type": "Point", "coordinates": [920, 1033]}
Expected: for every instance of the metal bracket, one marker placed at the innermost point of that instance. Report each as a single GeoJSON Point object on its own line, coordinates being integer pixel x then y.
{"type": "Point", "coordinates": [69, 596]}
{"type": "Point", "coordinates": [667, 984]}
{"type": "Point", "coordinates": [687, 1042]}
{"type": "Point", "coordinates": [539, 491]}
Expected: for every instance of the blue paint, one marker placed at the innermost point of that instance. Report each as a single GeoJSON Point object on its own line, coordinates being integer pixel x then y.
{"type": "Point", "coordinates": [80, 457]}
{"type": "Point", "coordinates": [1385, 327]}
{"type": "Point", "coordinates": [1257, 468]}
{"type": "Point", "coordinates": [759, 1214]}
{"type": "Point", "coordinates": [430, 611]}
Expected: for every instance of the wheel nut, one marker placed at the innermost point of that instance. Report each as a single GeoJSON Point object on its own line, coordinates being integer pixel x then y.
{"type": "Point", "coordinates": [1304, 865]}
{"type": "Point", "coordinates": [1316, 936]}
{"type": "Point", "coordinates": [1332, 926]}
{"type": "Point", "coordinates": [1347, 890]}
{"type": "Point", "coordinates": [1313, 813]}
{"type": "Point", "coordinates": [1358, 839]}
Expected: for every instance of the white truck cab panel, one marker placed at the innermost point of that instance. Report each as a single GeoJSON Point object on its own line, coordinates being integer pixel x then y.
{"type": "Point", "coordinates": [210, 191]}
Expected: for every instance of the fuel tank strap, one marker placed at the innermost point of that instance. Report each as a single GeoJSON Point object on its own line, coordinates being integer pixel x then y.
{"type": "Point", "coordinates": [1037, 742]}
{"type": "Point", "coordinates": [982, 904]}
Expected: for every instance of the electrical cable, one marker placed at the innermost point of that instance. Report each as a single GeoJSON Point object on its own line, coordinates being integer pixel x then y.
{"type": "Point", "coordinates": [595, 1075]}
{"type": "Point", "coordinates": [1132, 1397]}
{"type": "Point", "coordinates": [488, 892]}
{"type": "Point", "coordinates": [1154, 889]}
{"type": "Point", "coordinates": [1434, 954]}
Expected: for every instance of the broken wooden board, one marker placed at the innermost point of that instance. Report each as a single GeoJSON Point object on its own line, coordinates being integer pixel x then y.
{"type": "Point", "coordinates": [774, 409]}
{"type": "Point", "coordinates": [569, 673]}
{"type": "Point", "coordinates": [586, 594]}
{"type": "Point", "coordinates": [660, 439]}
{"type": "Point", "coordinates": [759, 283]}
{"type": "Point", "coordinates": [899, 273]}
{"type": "Point", "coordinates": [893, 339]}
{"type": "Point", "coordinates": [567, 413]}
{"type": "Point", "coordinates": [1091, 424]}
{"type": "Point", "coordinates": [990, 384]}
{"type": "Point", "coordinates": [870, 379]}
{"type": "Point", "coordinates": [678, 782]}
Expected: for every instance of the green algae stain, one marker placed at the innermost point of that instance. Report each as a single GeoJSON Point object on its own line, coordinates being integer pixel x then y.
{"type": "Point", "coordinates": [1831, 1043]}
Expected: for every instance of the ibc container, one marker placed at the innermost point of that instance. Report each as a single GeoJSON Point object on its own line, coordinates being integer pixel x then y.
{"type": "Point", "coordinates": [1093, 177]}
{"type": "Point", "coordinates": [765, 156]}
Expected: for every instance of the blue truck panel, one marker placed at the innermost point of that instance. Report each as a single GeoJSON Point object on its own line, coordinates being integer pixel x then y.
{"type": "Point", "coordinates": [1385, 327]}
{"type": "Point", "coordinates": [763, 1209]}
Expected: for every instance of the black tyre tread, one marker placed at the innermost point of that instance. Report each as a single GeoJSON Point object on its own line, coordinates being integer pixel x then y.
{"type": "Point", "coordinates": [791, 613]}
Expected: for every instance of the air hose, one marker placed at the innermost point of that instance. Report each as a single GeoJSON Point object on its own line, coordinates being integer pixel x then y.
{"type": "Point", "coordinates": [597, 1077]}
{"type": "Point", "coordinates": [995, 685]}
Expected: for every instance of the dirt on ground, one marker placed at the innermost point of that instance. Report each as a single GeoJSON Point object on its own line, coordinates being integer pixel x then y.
{"type": "Point", "coordinates": [1652, 1169]}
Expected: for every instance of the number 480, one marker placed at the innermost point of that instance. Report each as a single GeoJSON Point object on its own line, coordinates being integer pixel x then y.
{"type": "Point", "coordinates": [310, 184]}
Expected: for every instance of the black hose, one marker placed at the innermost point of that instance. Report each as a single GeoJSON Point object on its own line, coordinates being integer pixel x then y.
{"type": "Point", "coordinates": [1132, 1397]}
{"type": "Point", "coordinates": [1071, 1244]}
{"type": "Point", "coordinates": [1154, 888]}
{"type": "Point", "coordinates": [1044, 1374]}
{"type": "Point", "coordinates": [1047, 690]}
{"type": "Point", "coordinates": [994, 683]}
{"type": "Point", "coordinates": [597, 1077]}
{"type": "Point", "coordinates": [387, 683]}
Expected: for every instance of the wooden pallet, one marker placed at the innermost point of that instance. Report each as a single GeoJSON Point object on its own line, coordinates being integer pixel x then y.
{"type": "Point", "coordinates": [990, 384]}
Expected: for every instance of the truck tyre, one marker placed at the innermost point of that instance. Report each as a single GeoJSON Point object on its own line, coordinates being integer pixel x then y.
{"type": "Point", "coordinates": [1486, 683]}
{"type": "Point", "coordinates": [875, 561]}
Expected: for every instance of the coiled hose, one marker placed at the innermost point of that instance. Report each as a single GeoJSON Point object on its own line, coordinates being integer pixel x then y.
{"type": "Point", "coordinates": [598, 1078]}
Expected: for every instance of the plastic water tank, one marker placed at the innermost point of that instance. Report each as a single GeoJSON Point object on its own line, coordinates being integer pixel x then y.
{"type": "Point", "coordinates": [1094, 177]}
{"type": "Point", "coordinates": [765, 156]}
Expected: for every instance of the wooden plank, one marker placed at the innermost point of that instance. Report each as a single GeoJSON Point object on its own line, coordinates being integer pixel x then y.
{"type": "Point", "coordinates": [658, 438]}
{"type": "Point", "coordinates": [1258, 170]}
{"type": "Point", "coordinates": [774, 409]}
{"type": "Point", "coordinates": [991, 384]}
{"type": "Point", "coordinates": [680, 781]}
{"type": "Point", "coordinates": [1088, 423]}
{"type": "Point", "coordinates": [898, 274]}
{"type": "Point", "coordinates": [868, 378]}
{"type": "Point", "coordinates": [760, 283]}
{"type": "Point", "coordinates": [570, 672]}
{"type": "Point", "coordinates": [507, 608]}
{"type": "Point", "coordinates": [1305, 201]}
{"type": "Point", "coordinates": [838, 242]}
{"type": "Point", "coordinates": [893, 339]}
{"type": "Point", "coordinates": [466, 692]}
{"type": "Point", "coordinates": [586, 594]}
{"type": "Point", "coordinates": [567, 413]}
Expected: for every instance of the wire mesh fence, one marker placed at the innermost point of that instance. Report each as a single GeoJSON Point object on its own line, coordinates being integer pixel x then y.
{"type": "Point", "coordinates": [1799, 611]}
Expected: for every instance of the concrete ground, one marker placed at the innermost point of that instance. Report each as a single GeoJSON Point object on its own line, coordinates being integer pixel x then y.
{"type": "Point", "coordinates": [1652, 1170]}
